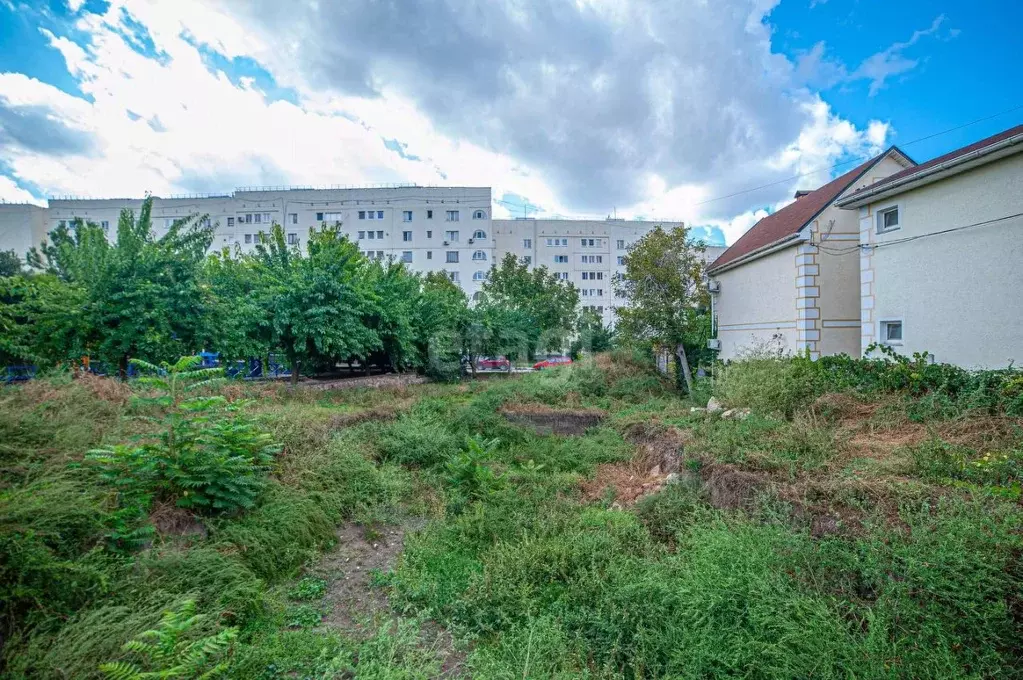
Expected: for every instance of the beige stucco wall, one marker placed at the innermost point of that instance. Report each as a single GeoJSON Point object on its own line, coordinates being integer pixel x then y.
{"type": "Point", "coordinates": [756, 302]}
{"type": "Point", "coordinates": [959, 295]}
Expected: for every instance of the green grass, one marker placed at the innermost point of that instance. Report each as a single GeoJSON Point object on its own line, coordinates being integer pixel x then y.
{"type": "Point", "coordinates": [531, 580]}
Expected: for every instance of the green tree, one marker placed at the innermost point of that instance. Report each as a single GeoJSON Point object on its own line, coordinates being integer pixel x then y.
{"type": "Point", "coordinates": [10, 263]}
{"type": "Point", "coordinates": [315, 306]}
{"type": "Point", "coordinates": [663, 285]}
{"type": "Point", "coordinates": [233, 323]}
{"type": "Point", "coordinates": [396, 293]}
{"type": "Point", "coordinates": [140, 295]}
{"type": "Point", "coordinates": [593, 336]}
{"type": "Point", "coordinates": [536, 305]}
{"type": "Point", "coordinates": [441, 316]}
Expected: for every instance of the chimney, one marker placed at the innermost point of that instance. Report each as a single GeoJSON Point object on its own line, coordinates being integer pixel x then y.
{"type": "Point", "coordinates": [802, 192]}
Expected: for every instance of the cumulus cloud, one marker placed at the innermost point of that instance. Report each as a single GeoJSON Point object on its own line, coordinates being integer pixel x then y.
{"type": "Point", "coordinates": [582, 107]}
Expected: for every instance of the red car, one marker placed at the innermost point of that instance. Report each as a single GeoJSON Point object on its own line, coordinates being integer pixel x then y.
{"type": "Point", "coordinates": [551, 362]}
{"type": "Point", "coordinates": [493, 364]}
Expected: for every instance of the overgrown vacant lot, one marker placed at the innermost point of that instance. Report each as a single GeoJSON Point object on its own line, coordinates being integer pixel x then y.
{"type": "Point", "coordinates": [581, 522]}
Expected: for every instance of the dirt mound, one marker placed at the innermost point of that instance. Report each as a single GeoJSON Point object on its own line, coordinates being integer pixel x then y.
{"type": "Point", "coordinates": [729, 488]}
{"type": "Point", "coordinates": [622, 479]}
{"type": "Point", "coordinates": [170, 520]}
{"type": "Point", "coordinates": [659, 448]}
{"type": "Point", "coordinates": [379, 414]}
{"type": "Point", "coordinates": [545, 420]}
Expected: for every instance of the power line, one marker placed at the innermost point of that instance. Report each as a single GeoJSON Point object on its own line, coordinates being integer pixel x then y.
{"type": "Point", "coordinates": [884, 244]}
{"type": "Point", "coordinates": [859, 158]}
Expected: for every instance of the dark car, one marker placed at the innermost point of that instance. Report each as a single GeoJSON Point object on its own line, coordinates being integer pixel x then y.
{"type": "Point", "coordinates": [493, 364]}
{"type": "Point", "coordinates": [551, 362]}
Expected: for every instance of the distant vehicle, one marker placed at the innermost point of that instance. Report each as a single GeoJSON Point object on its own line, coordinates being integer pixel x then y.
{"type": "Point", "coordinates": [551, 362]}
{"type": "Point", "coordinates": [493, 364]}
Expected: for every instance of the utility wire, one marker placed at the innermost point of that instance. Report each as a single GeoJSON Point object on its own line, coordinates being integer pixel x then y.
{"type": "Point", "coordinates": [875, 246]}
{"type": "Point", "coordinates": [859, 158]}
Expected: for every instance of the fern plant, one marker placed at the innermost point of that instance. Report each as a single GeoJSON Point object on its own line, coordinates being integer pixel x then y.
{"type": "Point", "coordinates": [469, 473]}
{"type": "Point", "coordinates": [165, 652]}
{"type": "Point", "coordinates": [208, 455]}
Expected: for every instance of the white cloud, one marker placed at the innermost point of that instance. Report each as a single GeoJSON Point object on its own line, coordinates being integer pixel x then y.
{"type": "Point", "coordinates": [170, 126]}
{"type": "Point", "coordinates": [12, 193]}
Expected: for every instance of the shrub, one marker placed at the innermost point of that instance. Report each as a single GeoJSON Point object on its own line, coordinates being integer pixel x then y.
{"type": "Point", "coordinates": [417, 440]}
{"type": "Point", "coordinates": [769, 385]}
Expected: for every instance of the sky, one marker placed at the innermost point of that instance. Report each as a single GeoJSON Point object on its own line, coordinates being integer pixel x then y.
{"type": "Point", "coordinates": [709, 111]}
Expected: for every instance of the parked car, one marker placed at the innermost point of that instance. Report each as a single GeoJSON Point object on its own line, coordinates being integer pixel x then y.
{"type": "Point", "coordinates": [493, 364]}
{"type": "Point", "coordinates": [551, 362]}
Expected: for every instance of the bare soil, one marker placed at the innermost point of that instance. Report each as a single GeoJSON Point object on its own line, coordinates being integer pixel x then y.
{"type": "Point", "coordinates": [545, 420]}
{"type": "Point", "coordinates": [373, 381]}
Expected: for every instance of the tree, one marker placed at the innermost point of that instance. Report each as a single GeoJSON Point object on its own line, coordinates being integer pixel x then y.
{"type": "Point", "coordinates": [441, 315]}
{"type": "Point", "coordinates": [593, 336]}
{"type": "Point", "coordinates": [140, 295]}
{"type": "Point", "coordinates": [315, 306]}
{"type": "Point", "coordinates": [663, 285]}
{"type": "Point", "coordinates": [10, 263]}
{"type": "Point", "coordinates": [544, 306]}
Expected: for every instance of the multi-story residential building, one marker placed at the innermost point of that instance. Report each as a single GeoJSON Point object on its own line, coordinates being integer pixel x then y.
{"type": "Point", "coordinates": [940, 254]}
{"type": "Point", "coordinates": [588, 253]}
{"type": "Point", "coordinates": [446, 229]}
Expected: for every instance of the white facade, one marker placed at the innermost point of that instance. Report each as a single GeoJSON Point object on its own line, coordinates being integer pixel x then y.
{"type": "Point", "coordinates": [944, 274]}
{"type": "Point", "coordinates": [22, 227]}
{"type": "Point", "coordinates": [587, 253]}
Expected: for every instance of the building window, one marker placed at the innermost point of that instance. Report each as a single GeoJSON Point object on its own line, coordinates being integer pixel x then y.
{"type": "Point", "coordinates": [371, 215]}
{"type": "Point", "coordinates": [248, 239]}
{"type": "Point", "coordinates": [248, 218]}
{"type": "Point", "coordinates": [452, 216]}
{"type": "Point", "coordinates": [479, 215]}
{"type": "Point", "coordinates": [477, 296]}
{"type": "Point", "coordinates": [479, 234]}
{"type": "Point", "coordinates": [452, 256]}
{"type": "Point", "coordinates": [406, 256]}
{"type": "Point", "coordinates": [105, 224]}
{"type": "Point", "coordinates": [257, 218]}
{"type": "Point", "coordinates": [230, 221]}
{"type": "Point", "coordinates": [294, 218]}
{"type": "Point", "coordinates": [429, 214]}
{"type": "Point", "coordinates": [429, 254]}
{"type": "Point", "coordinates": [891, 332]}
{"type": "Point", "coordinates": [362, 235]}
{"type": "Point", "coordinates": [527, 243]}
{"type": "Point", "coordinates": [380, 234]}
{"type": "Point", "coordinates": [621, 261]}
{"type": "Point", "coordinates": [478, 275]}
{"type": "Point", "coordinates": [557, 242]}
{"type": "Point", "coordinates": [560, 259]}
{"type": "Point", "coordinates": [292, 239]}
{"type": "Point", "coordinates": [380, 254]}
{"type": "Point", "coordinates": [888, 219]}
{"type": "Point", "coordinates": [621, 244]}
{"type": "Point", "coordinates": [319, 217]}
{"type": "Point", "coordinates": [453, 276]}
{"type": "Point", "coordinates": [563, 276]}
{"type": "Point", "coordinates": [266, 218]}
{"type": "Point", "coordinates": [371, 234]}
{"type": "Point", "coordinates": [62, 223]}
{"type": "Point", "coordinates": [406, 215]}
{"type": "Point", "coordinates": [527, 260]}
{"type": "Point", "coordinates": [406, 236]}
{"type": "Point", "coordinates": [362, 215]}
{"type": "Point", "coordinates": [479, 256]}
{"type": "Point", "coordinates": [451, 236]}
{"type": "Point", "coordinates": [429, 234]}
{"type": "Point", "coordinates": [380, 214]}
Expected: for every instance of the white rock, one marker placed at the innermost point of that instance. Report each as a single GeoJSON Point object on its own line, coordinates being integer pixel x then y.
{"type": "Point", "coordinates": [697, 409]}
{"type": "Point", "coordinates": [672, 478]}
{"type": "Point", "coordinates": [714, 405]}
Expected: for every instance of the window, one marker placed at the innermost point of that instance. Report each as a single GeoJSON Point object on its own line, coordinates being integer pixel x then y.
{"type": "Point", "coordinates": [451, 236]}
{"type": "Point", "coordinates": [371, 234]}
{"type": "Point", "coordinates": [479, 215]}
{"type": "Point", "coordinates": [452, 216]}
{"type": "Point", "coordinates": [479, 234]}
{"type": "Point", "coordinates": [891, 332]}
{"type": "Point", "coordinates": [248, 218]}
{"type": "Point", "coordinates": [294, 218]}
{"type": "Point", "coordinates": [562, 276]}
{"type": "Point", "coordinates": [105, 224]}
{"type": "Point", "coordinates": [621, 261]}
{"type": "Point", "coordinates": [406, 236]}
{"type": "Point", "coordinates": [169, 222]}
{"type": "Point", "coordinates": [380, 234]}
{"type": "Point", "coordinates": [319, 217]}
{"type": "Point", "coordinates": [527, 260]}
{"type": "Point", "coordinates": [479, 256]}
{"type": "Point", "coordinates": [380, 254]}
{"type": "Point", "coordinates": [248, 238]}
{"type": "Point", "coordinates": [230, 221]}
{"type": "Point", "coordinates": [333, 217]}
{"type": "Point", "coordinates": [452, 256]}
{"type": "Point", "coordinates": [380, 214]}
{"type": "Point", "coordinates": [477, 296]}
{"type": "Point", "coordinates": [479, 275]}
{"type": "Point", "coordinates": [557, 242]}
{"type": "Point", "coordinates": [527, 243]}
{"type": "Point", "coordinates": [292, 239]}
{"type": "Point", "coordinates": [429, 234]}
{"type": "Point", "coordinates": [257, 217]}
{"type": "Point", "coordinates": [362, 215]}
{"type": "Point", "coordinates": [621, 244]}
{"type": "Point", "coordinates": [600, 292]}
{"type": "Point", "coordinates": [362, 235]}
{"type": "Point", "coordinates": [560, 259]}
{"type": "Point", "coordinates": [266, 218]}
{"type": "Point", "coordinates": [62, 223]}
{"type": "Point", "coordinates": [888, 219]}
{"type": "Point", "coordinates": [429, 254]}
{"type": "Point", "coordinates": [406, 215]}
{"type": "Point", "coordinates": [453, 276]}
{"type": "Point", "coordinates": [371, 215]}
{"type": "Point", "coordinates": [406, 256]}
{"type": "Point", "coordinates": [429, 214]}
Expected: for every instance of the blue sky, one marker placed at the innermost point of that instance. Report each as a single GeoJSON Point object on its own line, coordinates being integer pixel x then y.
{"type": "Point", "coordinates": [697, 111]}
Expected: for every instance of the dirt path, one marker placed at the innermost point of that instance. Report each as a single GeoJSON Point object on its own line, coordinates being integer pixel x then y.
{"type": "Point", "coordinates": [358, 603]}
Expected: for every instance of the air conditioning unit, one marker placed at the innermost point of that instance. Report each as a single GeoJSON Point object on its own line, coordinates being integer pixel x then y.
{"type": "Point", "coordinates": [471, 241]}
{"type": "Point", "coordinates": [714, 343]}
{"type": "Point", "coordinates": [446, 243]}
{"type": "Point", "coordinates": [714, 286]}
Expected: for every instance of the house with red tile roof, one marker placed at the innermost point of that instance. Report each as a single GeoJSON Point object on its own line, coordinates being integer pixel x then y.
{"type": "Point", "coordinates": [792, 282]}
{"type": "Point", "coordinates": [941, 255]}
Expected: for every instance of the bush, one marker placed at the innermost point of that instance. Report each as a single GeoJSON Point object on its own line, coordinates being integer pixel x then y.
{"type": "Point", "coordinates": [769, 385]}
{"type": "Point", "coordinates": [417, 440]}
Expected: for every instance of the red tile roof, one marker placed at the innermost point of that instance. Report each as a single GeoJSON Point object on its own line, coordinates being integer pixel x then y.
{"type": "Point", "coordinates": [793, 217]}
{"type": "Point", "coordinates": [993, 139]}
